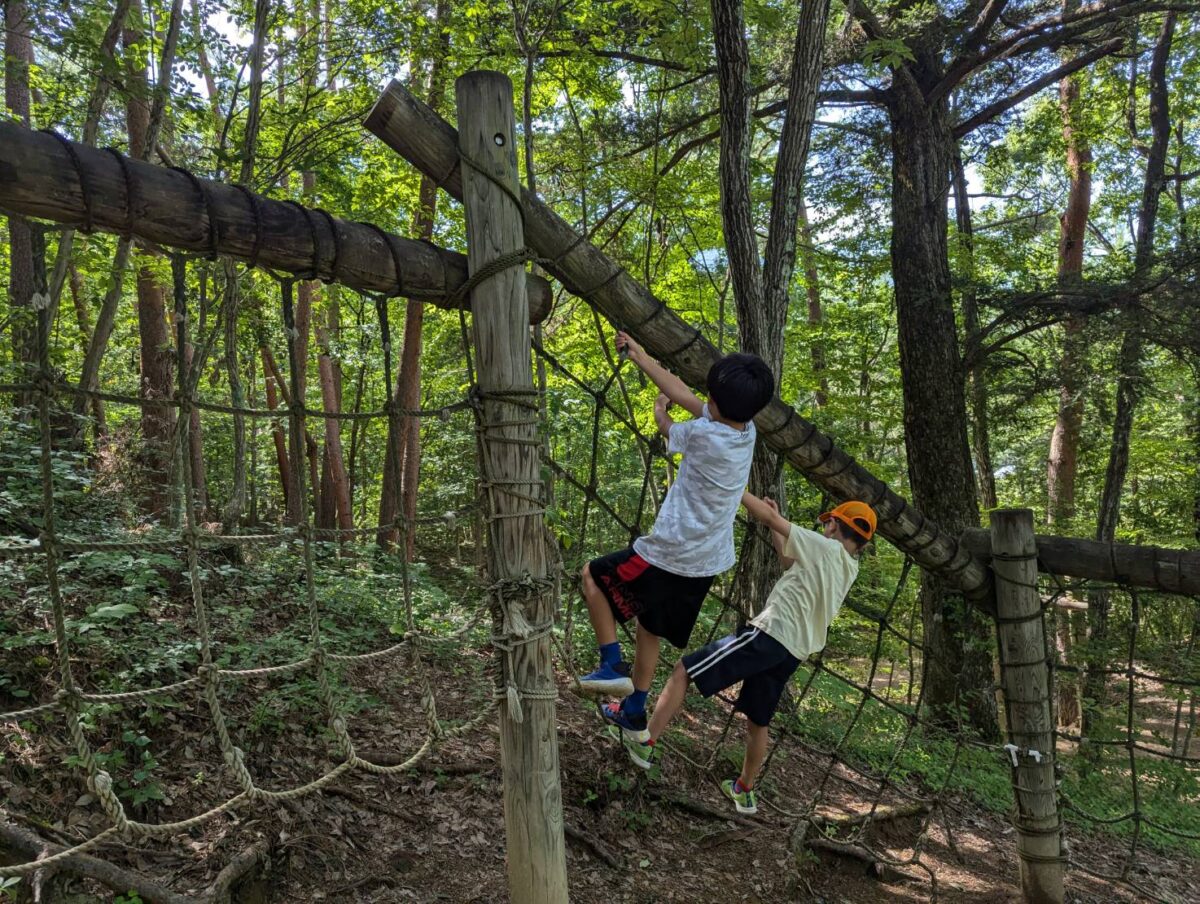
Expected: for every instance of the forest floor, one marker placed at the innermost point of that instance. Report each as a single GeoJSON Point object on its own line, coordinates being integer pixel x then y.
{"type": "Point", "coordinates": [437, 833]}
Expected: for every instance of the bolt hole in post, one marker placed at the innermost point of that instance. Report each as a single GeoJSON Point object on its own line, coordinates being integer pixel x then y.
{"type": "Point", "coordinates": [499, 139]}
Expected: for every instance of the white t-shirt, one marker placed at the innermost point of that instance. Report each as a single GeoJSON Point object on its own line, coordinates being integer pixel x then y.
{"type": "Point", "coordinates": [693, 533]}
{"type": "Point", "coordinates": [805, 599]}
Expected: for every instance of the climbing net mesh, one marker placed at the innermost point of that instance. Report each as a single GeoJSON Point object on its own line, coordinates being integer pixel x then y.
{"type": "Point", "coordinates": [873, 772]}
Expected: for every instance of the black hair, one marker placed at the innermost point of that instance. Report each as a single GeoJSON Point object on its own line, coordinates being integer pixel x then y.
{"type": "Point", "coordinates": [741, 385]}
{"type": "Point", "coordinates": [845, 532]}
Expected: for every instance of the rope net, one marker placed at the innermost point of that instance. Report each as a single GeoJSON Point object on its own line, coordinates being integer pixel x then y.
{"type": "Point", "coordinates": [191, 547]}
{"type": "Point", "coordinates": [858, 763]}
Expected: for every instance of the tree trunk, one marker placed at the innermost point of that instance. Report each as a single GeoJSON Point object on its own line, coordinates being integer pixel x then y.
{"type": "Point", "coordinates": [232, 514]}
{"type": "Point", "coordinates": [977, 380]}
{"type": "Point", "coordinates": [339, 487]}
{"type": "Point", "coordinates": [83, 318]}
{"type": "Point", "coordinates": [402, 464]}
{"type": "Point", "coordinates": [1129, 365]}
{"type": "Point", "coordinates": [812, 289]}
{"type": "Point", "coordinates": [761, 291]}
{"type": "Point", "coordinates": [1063, 463]}
{"type": "Point", "coordinates": [957, 662]}
{"type": "Point", "coordinates": [196, 450]}
{"type": "Point", "coordinates": [143, 121]}
{"type": "Point", "coordinates": [18, 56]}
{"type": "Point", "coordinates": [281, 454]}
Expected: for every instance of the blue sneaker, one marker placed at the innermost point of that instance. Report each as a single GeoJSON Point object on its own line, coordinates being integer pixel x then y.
{"type": "Point", "coordinates": [613, 681]}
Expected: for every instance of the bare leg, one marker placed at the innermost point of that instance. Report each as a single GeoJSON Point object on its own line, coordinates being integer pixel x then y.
{"type": "Point", "coordinates": [646, 661]}
{"type": "Point", "coordinates": [756, 752]}
{"type": "Point", "coordinates": [599, 612]}
{"type": "Point", "coordinates": [669, 702]}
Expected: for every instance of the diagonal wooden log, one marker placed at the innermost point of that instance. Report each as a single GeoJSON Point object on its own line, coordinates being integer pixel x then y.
{"type": "Point", "coordinates": [40, 177]}
{"type": "Point", "coordinates": [427, 141]}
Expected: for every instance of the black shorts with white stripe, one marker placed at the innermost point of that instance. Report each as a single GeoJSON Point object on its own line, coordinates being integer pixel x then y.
{"type": "Point", "coordinates": [750, 656]}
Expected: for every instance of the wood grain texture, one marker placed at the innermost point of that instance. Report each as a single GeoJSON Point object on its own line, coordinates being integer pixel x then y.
{"type": "Point", "coordinates": [1152, 567]}
{"type": "Point", "coordinates": [533, 817]}
{"type": "Point", "coordinates": [1025, 678]}
{"type": "Point", "coordinates": [39, 179]}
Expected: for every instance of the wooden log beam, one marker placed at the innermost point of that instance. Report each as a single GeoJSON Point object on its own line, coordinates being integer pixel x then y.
{"type": "Point", "coordinates": [427, 141]}
{"type": "Point", "coordinates": [39, 178]}
{"type": "Point", "coordinates": [1152, 567]}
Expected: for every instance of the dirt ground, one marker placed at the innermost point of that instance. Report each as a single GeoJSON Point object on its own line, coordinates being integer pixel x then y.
{"type": "Point", "coordinates": [438, 834]}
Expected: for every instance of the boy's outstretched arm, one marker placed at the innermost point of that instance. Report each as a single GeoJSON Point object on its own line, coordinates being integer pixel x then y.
{"type": "Point", "coordinates": [766, 511]}
{"type": "Point", "coordinates": [670, 385]}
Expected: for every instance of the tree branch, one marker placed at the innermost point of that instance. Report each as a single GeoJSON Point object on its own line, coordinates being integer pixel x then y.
{"type": "Point", "coordinates": [991, 111]}
{"type": "Point", "coordinates": [1047, 33]}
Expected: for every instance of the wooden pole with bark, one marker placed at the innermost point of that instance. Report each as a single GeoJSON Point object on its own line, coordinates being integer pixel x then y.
{"type": "Point", "coordinates": [509, 459]}
{"type": "Point", "coordinates": [39, 179]}
{"type": "Point", "coordinates": [1025, 679]}
{"type": "Point", "coordinates": [431, 144]}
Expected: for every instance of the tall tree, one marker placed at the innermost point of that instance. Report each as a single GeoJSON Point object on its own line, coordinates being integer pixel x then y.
{"type": "Point", "coordinates": [402, 463]}
{"type": "Point", "coordinates": [144, 112]}
{"type": "Point", "coordinates": [816, 316]}
{"type": "Point", "coordinates": [18, 56]}
{"type": "Point", "coordinates": [1063, 462]}
{"type": "Point", "coordinates": [938, 55]}
{"type": "Point", "coordinates": [762, 288]}
{"type": "Point", "coordinates": [1130, 378]}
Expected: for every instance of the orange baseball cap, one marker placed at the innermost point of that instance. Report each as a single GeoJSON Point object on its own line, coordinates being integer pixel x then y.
{"type": "Point", "coordinates": [858, 516]}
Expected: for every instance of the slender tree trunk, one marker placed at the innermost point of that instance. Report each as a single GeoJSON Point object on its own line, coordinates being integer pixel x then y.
{"type": "Point", "coordinates": [281, 453]}
{"type": "Point", "coordinates": [957, 661]}
{"type": "Point", "coordinates": [339, 486]}
{"type": "Point", "coordinates": [144, 122]}
{"type": "Point", "coordinates": [232, 513]}
{"type": "Point", "coordinates": [402, 464]}
{"type": "Point", "coordinates": [84, 319]}
{"type": "Point", "coordinates": [18, 56]}
{"type": "Point", "coordinates": [977, 379]}
{"type": "Point", "coordinates": [812, 289]}
{"type": "Point", "coordinates": [196, 450]}
{"type": "Point", "coordinates": [1063, 464]}
{"type": "Point", "coordinates": [91, 124]}
{"type": "Point", "coordinates": [761, 291]}
{"type": "Point", "coordinates": [1129, 365]}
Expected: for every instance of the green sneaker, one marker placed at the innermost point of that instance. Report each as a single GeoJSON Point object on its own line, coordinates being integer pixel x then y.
{"type": "Point", "coordinates": [636, 743]}
{"type": "Point", "coordinates": [745, 801]}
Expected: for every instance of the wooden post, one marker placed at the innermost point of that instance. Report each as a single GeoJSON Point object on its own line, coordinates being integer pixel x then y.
{"type": "Point", "coordinates": [1025, 678]}
{"type": "Point", "coordinates": [509, 466]}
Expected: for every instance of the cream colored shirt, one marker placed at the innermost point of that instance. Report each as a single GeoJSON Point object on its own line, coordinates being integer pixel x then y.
{"type": "Point", "coordinates": [804, 601]}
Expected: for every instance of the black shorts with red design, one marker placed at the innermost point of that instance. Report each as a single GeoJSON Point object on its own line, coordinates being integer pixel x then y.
{"type": "Point", "coordinates": [665, 604]}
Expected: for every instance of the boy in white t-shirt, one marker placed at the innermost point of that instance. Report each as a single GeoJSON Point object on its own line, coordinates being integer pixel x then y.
{"type": "Point", "coordinates": [819, 570]}
{"type": "Point", "coordinates": [663, 578]}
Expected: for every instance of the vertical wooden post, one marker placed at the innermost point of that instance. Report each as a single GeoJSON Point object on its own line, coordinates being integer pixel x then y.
{"type": "Point", "coordinates": [1025, 677]}
{"type": "Point", "coordinates": [510, 468]}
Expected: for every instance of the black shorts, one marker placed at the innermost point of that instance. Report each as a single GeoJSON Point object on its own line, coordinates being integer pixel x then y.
{"type": "Point", "coordinates": [665, 604]}
{"type": "Point", "coordinates": [750, 656]}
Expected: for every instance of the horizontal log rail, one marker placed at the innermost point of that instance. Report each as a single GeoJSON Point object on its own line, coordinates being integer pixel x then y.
{"type": "Point", "coordinates": [427, 141]}
{"type": "Point", "coordinates": [1150, 567]}
{"type": "Point", "coordinates": [52, 178]}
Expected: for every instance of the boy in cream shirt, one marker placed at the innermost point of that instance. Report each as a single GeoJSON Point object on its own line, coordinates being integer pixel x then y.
{"type": "Point", "coordinates": [819, 570]}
